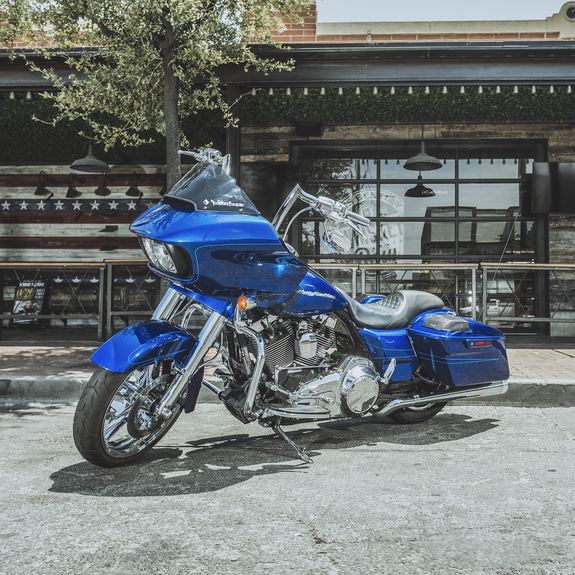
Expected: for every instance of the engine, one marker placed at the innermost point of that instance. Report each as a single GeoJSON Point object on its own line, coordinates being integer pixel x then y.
{"type": "Point", "coordinates": [304, 370]}
{"type": "Point", "coordinates": [290, 342]}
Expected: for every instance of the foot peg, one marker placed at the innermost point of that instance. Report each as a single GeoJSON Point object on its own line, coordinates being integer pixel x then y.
{"type": "Point", "coordinates": [300, 451]}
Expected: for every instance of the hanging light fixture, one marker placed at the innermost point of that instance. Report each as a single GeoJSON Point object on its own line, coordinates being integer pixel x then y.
{"type": "Point", "coordinates": [72, 191]}
{"type": "Point", "coordinates": [322, 91]}
{"type": "Point", "coordinates": [90, 164]}
{"type": "Point", "coordinates": [423, 162]}
{"type": "Point", "coordinates": [133, 191]}
{"type": "Point", "coordinates": [419, 190]}
{"type": "Point", "coordinates": [102, 189]}
{"type": "Point", "coordinates": [41, 189]}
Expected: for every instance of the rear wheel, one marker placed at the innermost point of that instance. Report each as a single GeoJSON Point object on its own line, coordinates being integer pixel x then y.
{"type": "Point", "coordinates": [114, 421]}
{"type": "Point", "coordinates": [416, 414]}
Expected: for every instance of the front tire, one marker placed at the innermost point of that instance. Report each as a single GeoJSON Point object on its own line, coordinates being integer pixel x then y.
{"type": "Point", "coordinates": [113, 423]}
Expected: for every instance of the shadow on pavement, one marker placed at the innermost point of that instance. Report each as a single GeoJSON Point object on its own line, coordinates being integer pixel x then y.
{"type": "Point", "coordinates": [214, 463]}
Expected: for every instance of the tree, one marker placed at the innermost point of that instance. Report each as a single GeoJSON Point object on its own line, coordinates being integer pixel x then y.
{"type": "Point", "coordinates": [143, 65]}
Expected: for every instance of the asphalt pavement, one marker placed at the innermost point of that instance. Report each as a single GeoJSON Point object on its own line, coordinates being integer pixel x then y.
{"type": "Point", "coordinates": [478, 490]}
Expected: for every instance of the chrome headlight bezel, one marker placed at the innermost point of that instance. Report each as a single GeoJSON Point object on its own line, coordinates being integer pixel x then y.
{"type": "Point", "coordinates": [167, 258]}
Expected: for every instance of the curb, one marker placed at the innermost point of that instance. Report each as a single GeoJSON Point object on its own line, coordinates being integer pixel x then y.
{"type": "Point", "coordinates": [55, 388]}
{"type": "Point", "coordinates": [521, 392]}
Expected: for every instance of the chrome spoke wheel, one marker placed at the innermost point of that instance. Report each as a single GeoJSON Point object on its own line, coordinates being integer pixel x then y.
{"type": "Point", "coordinates": [130, 423]}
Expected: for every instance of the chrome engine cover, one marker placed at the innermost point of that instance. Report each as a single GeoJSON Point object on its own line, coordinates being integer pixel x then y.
{"type": "Point", "coordinates": [348, 391]}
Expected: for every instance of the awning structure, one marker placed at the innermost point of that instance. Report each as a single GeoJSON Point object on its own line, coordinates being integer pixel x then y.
{"type": "Point", "coordinates": [385, 64]}
{"type": "Point", "coordinates": [416, 64]}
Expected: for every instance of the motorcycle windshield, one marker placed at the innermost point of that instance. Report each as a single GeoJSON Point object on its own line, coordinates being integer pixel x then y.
{"type": "Point", "coordinates": [210, 189]}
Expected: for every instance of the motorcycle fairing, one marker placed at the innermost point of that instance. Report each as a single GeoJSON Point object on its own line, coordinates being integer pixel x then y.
{"type": "Point", "coordinates": [143, 343]}
{"type": "Point", "coordinates": [313, 296]}
{"type": "Point", "coordinates": [219, 306]}
{"type": "Point", "coordinates": [226, 259]}
{"type": "Point", "coordinates": [387, 344]}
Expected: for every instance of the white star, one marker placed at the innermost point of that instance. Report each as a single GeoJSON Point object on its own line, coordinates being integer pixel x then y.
{"type": "Point", "coordinates": [59, 205]}
{"type": "Point", "coordinates": [23, 205]}
{"type": "Point", "coordinates": [77, 205]}
{"type": "Point", "coordinates": [150, 204]}
{"type": "Point", "coordinates": [41, 204]}
{"type": "Point", "coordinates": [131, 206]}
{"type": "Point", "coordinates": [113, 204]}
{"type": "Point", "coordinates": [95, 205]}
{"type": "Point", "coordinates": [6, 206]}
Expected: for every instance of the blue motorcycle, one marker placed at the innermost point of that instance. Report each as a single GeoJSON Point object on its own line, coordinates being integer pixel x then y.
{"type": "Point", "coordinates": [292, 347]}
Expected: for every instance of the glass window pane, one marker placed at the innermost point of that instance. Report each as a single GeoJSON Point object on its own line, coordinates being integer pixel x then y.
{"type": "Point", "coordinates": [495, 163]}
{"type": "Point", "coordinates": [394, 171]}
{"type": "Point", "coordinates": [395, 204]}
{"type": "Point", "coordinates": [496, 238]}
{"type": "Point", "coordinates": [313, 244]}
{"type": "Point", "coordinates": [488, 200]}
{"type": "Point", "coordinates": [417, 238]}
{"type": "Point", "coordinates": [325, 165]}
{"type": "Point", "coordinates": [360, 198]}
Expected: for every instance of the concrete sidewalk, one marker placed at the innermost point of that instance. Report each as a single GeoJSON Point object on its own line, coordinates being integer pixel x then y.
{"type": "Point", "coordinates": [55, 366]}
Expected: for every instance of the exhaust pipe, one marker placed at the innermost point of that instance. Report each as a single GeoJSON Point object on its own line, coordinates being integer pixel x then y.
{"type": "Point", "coordinates": [495, 388]}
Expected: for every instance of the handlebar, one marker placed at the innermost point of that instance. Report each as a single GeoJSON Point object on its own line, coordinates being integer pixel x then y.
{"type": "Point", "coordinates": [328, 208]}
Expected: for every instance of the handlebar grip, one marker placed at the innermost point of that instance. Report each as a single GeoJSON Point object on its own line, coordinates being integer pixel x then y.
{"type": "Point", "coordinates": [362, 220]}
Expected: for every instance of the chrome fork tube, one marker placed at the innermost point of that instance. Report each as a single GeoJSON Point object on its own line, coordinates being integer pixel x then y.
{"type": "Point", "coordinates": [168, 305]}
{"type": "Point", "coordinates": [207, 337]}
{"type": "Point", "coordinates": [241, 327]}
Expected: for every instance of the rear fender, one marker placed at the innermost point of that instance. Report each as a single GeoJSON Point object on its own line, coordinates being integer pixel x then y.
{"type": "Point", "coordinates": [143, 343]}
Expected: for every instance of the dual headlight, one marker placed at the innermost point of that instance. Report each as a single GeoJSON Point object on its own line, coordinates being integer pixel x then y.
{"type": "Point", "coordinates": [167, 257]}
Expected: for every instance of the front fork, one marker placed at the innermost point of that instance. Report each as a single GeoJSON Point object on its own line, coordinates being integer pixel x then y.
{"type": "Point", "coordinates": [206, 339]}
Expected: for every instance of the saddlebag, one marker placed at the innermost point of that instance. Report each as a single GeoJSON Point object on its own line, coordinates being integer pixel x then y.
{"type": "Point", "coordinates": [457, 351]}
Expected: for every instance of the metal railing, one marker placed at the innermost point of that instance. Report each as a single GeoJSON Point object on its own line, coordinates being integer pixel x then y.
{"type": "Point", "coordinates": [39, 270]}
{"type": "Point", "coordinates": [127, 288]}
{"type": "Point", "coordinates": [551, 270]}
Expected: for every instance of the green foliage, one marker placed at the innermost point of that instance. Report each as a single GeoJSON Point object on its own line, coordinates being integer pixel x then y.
{"type": "Point", "coordinates": [147, 64]}
{"type": "Point", "coordinates": [404, 108]}
{"type": "Point", "coordinates": [32, 141]}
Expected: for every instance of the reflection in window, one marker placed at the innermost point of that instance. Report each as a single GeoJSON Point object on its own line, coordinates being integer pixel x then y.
{"type": "Point", "coordinates": [339, 167]}
{"type": "Point", "coordinates": [489, 199]}
{"type": "Point", "coordinates": [312, 243]}
{"type": "Point", "coordinates": [496, 238]}
{"type": "Point", "coordinates": [361, 198]}
{"type": "Point", "coordinates": [417, 238]}
{"type": "Point", "coordinates": [395, 204]}
{"type": "Point", "coordinates": [395, 171]}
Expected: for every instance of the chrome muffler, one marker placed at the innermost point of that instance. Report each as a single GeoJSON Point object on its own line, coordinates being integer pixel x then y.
{"type": "Point", "coordinates": [495, 388]}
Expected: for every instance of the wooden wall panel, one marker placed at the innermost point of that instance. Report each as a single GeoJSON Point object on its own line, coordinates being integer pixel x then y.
{"type": "Point", "coordinates": [88, 228]}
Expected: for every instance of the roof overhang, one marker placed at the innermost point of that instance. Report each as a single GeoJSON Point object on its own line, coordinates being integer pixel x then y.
{"type": "Point", "coordinates": [415, 64]}
{"type": "Point", "coordinates": [385, 64]}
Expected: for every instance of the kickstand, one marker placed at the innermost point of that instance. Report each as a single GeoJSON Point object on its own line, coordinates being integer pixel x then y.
{"type": "Point", "coordinates": [300, 452]}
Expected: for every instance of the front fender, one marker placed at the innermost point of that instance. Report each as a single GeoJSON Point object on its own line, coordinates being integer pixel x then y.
{"type": "Point", "coordinates": [143, 343]}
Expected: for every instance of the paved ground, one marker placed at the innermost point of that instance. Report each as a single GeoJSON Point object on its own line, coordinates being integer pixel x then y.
{"type": "Point", "coordinates": [477, 490]}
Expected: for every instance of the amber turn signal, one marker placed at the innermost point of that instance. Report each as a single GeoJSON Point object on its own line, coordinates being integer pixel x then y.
{"type": "Point", "coordinates": [243, 302]}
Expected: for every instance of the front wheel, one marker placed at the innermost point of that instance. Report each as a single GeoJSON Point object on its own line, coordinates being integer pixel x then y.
{"type": "Point", "coordinates": [114, 421]}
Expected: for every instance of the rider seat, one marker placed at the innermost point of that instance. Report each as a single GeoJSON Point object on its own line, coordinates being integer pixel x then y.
{"type": "Point", "coordinates": [395, 311]}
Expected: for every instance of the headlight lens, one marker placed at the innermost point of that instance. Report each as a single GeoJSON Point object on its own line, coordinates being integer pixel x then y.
{"type": "Point", "coordinates": [168, 257]}
{"type": "Point", "coordinates": [163, 258]}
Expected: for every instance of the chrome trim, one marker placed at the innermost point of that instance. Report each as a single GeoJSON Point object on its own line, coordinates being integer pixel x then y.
{"type": "Point", "coordinates": [211, 387]}
{"type": "Point", "coordinates": [168, 304]}
{"type": "Point", "coordinates": [298, 412]}
{"type": "Point", "coordinates": [495, 388]}
{"type": "Point", "coordinates": [241, 327]}
{"type": "Point", "coordinates": [207, 337]}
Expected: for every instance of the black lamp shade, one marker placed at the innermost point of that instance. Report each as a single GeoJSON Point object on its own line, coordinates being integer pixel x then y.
{"type": "Point", "coordinates": [423, 162]}
{"type": "Point", "coordinates": [419, 190]}
{"type": "Point", "coordinates": [90, 164]}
